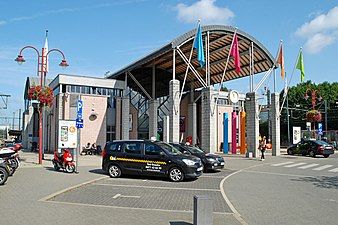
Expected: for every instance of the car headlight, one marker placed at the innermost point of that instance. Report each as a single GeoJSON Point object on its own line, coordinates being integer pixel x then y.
{"type": "Point", "coordinates": [211, 160]}
{"type": "Point", "coordinates": [188, 162]}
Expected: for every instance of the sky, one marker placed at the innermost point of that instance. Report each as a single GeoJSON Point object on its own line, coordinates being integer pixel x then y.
{"type": "Point", "coordinates": [106, 35]}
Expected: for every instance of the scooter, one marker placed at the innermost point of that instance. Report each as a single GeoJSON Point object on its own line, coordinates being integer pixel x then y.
{"type": "Point", "coordinates": [11, 158]}
{"type": "Point", "coordinates": [4, 172]}
{"type": "Point", "coordinates": [64, 161]}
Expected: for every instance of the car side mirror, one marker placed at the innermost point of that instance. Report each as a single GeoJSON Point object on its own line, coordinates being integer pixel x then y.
{"type": "Point", "coordinates": [186, 152]}
{"type": "Point", "coordinates": [163, 154]}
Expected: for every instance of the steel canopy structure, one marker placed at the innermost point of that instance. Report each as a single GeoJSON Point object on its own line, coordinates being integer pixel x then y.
{"type": "Point", "coordinates": [254, 58]}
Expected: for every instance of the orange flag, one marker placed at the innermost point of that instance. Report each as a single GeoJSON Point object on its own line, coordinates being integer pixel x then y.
{"type": "Point", "coordinates": [280, 61]}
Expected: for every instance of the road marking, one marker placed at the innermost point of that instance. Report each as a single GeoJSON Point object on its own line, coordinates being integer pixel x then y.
{"type": "Point", "coordinates": [281, 164]}
{"type": "Point", "coordinates": [322, 167]}
{"type": "Point", "coordinates": [308, 166]}
{"type": "Point", "coordinates": [125, 196]}
{"type": "Point", "coordinates": [294, 165]}
{"type": "Point", "coordinates": [334, 170]}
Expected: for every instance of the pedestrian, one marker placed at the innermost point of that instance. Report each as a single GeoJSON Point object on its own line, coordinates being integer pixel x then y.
{"type": "Point", "coordinates": [262, 146]}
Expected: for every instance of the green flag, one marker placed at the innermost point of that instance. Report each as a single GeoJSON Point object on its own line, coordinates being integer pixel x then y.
{"type": "Point", "coordinates": [300, 65]}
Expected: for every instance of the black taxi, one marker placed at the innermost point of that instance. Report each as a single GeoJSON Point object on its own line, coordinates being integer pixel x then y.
{"type": "Point", "coordinates": [143, 157]}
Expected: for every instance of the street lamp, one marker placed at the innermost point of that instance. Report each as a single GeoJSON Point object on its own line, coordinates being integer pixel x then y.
{"type": "Point", "coordinates": [313, 96]}
{"type": "Point", "coordinates": [42, 71]}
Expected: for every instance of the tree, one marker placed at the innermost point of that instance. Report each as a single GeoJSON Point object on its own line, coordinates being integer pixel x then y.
{"type": "Point", "coordinates": [299, 106]}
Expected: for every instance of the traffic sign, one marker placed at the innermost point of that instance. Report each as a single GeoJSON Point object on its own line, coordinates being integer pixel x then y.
{"type": "Point", "coordinates": [320, 128]}
{"type": "Point", "coordinates": [79, 123]}
{"type": "Point", "coordinates": [79, 109]}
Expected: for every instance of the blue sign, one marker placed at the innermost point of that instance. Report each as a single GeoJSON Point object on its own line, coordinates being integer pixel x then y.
{"type": "Point", "coordinates": [79, 109]}
{"type": "Point", "coordinates": [320, 128]}
{"type": "Point", "coordinates": [79, 123]}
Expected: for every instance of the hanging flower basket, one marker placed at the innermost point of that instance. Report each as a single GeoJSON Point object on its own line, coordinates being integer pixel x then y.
{"type": "Point", "coordinates": [313, 116]}
{"type": "Point", "coordinates": [43, 94]}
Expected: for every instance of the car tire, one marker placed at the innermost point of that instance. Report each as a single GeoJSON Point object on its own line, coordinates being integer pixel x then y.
{"type": "Point", "coordinates": [312, 154]}
{"type": "Point", "coordinates": [176, 174]}
{"type": "Point", "coordinates": [3, 175]}
{"type": "Point", "coordinates": [114, 171]}
{"type": "Point", "coordinates": [290, 152]}
{"type": "Point", "coordinates": [326, 156]}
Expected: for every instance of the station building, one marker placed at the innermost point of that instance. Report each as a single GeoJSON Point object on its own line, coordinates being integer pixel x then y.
{"type": "Point", "coordinates": [167, 94]}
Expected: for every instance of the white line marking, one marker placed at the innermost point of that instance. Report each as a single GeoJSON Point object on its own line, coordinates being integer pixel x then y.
{"type": "Point", "coordinates": [117, 195]}
{"type": "Point", "coordinates": [233, 209]}
{"type": "Point", "coordinates": [322, 167]}
{"type": "Point", "coordinates": [125, 196]}
{"type": "Point", "coordinates": [334, 170]}
{"type": "Point", "coordinates": [308, 166]}
{"type": "Point", "coordinates": [294, 165]}
{"type": "Point", "coordinates": [281, 164]}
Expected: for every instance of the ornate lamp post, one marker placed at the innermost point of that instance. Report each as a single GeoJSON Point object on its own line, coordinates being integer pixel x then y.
{"type": "Point", "coordinates": [313, 96]}
{"type": "Point", "coordinates": [313, 115]}
{"type": "Point", "coordinates": [42, 71]}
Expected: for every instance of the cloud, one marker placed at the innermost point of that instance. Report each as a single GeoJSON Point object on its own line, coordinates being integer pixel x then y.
{"type": "Point", "coordinates": [320, 32]}
{"type": "Point", "coordinates": [206, 10]}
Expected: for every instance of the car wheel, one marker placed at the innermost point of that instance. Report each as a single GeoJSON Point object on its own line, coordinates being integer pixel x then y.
{"type": "Point", "coordinates": [176, 174]}
{"type": "Point", "coordinates": [114, 171]}
{"type": "Point", "coordinates": [290, 152]}
{"type": "Point", "coordinates": [326, 155]}
{"type": "Point", "coordinates": [312, 153]}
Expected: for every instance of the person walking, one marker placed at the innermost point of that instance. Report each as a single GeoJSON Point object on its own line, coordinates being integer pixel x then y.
{"type": "Point", "coordinates": [263, 148]}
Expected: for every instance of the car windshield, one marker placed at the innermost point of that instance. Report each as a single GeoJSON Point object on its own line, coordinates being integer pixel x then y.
{"type": "Point", "coordinates": [195, 150]}
{"type": "Point", "coordinates": [169, 148]}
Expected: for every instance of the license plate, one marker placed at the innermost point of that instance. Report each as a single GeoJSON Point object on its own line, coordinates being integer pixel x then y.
{"type": "Point", "coordinates": [222, 163]}
{"type": "Point", "coordinates": [200, 168]}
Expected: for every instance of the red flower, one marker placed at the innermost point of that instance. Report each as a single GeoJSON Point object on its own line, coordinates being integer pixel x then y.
{"type": "Point", "coordinates": [313, 116]}
{"type": "Point", "coordinates": [43, 94]}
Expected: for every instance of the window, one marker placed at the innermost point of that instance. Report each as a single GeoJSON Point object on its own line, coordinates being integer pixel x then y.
{"type": "Point", "coordinates": [134, 148]}
{"type": "Point", "coordinates": [151, 149]}
{"type": "Point", "coordinates": [85, 90]}
{"type": "Point", "coordinates": [115, 147]}
{"type": "Point", "coordinates": [110, 135]}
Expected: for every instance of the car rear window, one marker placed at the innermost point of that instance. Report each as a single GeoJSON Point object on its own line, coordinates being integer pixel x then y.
{"type": "Point", "coordinates": [319, 142]}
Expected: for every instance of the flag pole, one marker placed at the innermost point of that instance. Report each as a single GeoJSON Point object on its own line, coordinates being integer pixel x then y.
{"type": "Point", "coordinates": [225, 68]}
{"type": "Point", "coordinates": [288, 85]}
{"type": "Point", "coordinates": [188, 65]}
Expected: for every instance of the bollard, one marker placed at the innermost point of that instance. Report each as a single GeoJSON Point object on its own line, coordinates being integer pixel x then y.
{"type": "Point", "coordinates": [203, 208]}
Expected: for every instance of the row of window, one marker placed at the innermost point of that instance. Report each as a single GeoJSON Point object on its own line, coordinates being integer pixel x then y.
{"type": "Point", "coordinates": [93, 90]}
{"type": "Point", "coordinates": [135, 148]}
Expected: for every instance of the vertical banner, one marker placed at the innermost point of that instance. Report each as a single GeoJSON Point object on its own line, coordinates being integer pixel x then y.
{"type": "Point", "coordinates": [182, 124]}
{"type": "Point", "coordinates": [225, 133]}
{"type": "Point", "coordinates": [234, 133]}
{"type": "Point", "coordinates": [243, 132]}
{"type": "Point", "coordinates": [296, 135]}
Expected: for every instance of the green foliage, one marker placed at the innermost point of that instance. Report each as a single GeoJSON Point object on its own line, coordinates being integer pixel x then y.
{"type": "Point", "coordinates": [298, 105]}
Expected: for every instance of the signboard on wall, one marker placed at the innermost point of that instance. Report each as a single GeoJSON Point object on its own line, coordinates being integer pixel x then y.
{"type": "Point", "coordinates": [67, 134]}
{"type": "Point", "coordinates": [296, 137]}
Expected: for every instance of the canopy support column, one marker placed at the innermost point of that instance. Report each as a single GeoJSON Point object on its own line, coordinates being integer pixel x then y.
{"type": "Point", "coordinates": [208, 131]}
{"type": "Point", "coordinates": [252, 121]}
{"type": "Point", "coordinates": [275, 123]}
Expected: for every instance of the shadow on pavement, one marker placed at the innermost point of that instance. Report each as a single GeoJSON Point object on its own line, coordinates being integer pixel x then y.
{"type": "Point", "coordinates": [98, 171]}
{"type": "Point", "coordinates": [322, 182]}
{"type": "Point", "coordinates": [180, 223]}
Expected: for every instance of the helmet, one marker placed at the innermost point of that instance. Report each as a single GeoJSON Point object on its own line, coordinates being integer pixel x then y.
{"type": "Point", "coordinates": [17, 147]}
{"type": "Point", "coordinates": [66, 150]}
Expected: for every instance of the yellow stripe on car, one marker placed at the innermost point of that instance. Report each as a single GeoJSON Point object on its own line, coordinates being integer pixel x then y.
{"type": "Point", "coordinates": [137, 160]}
